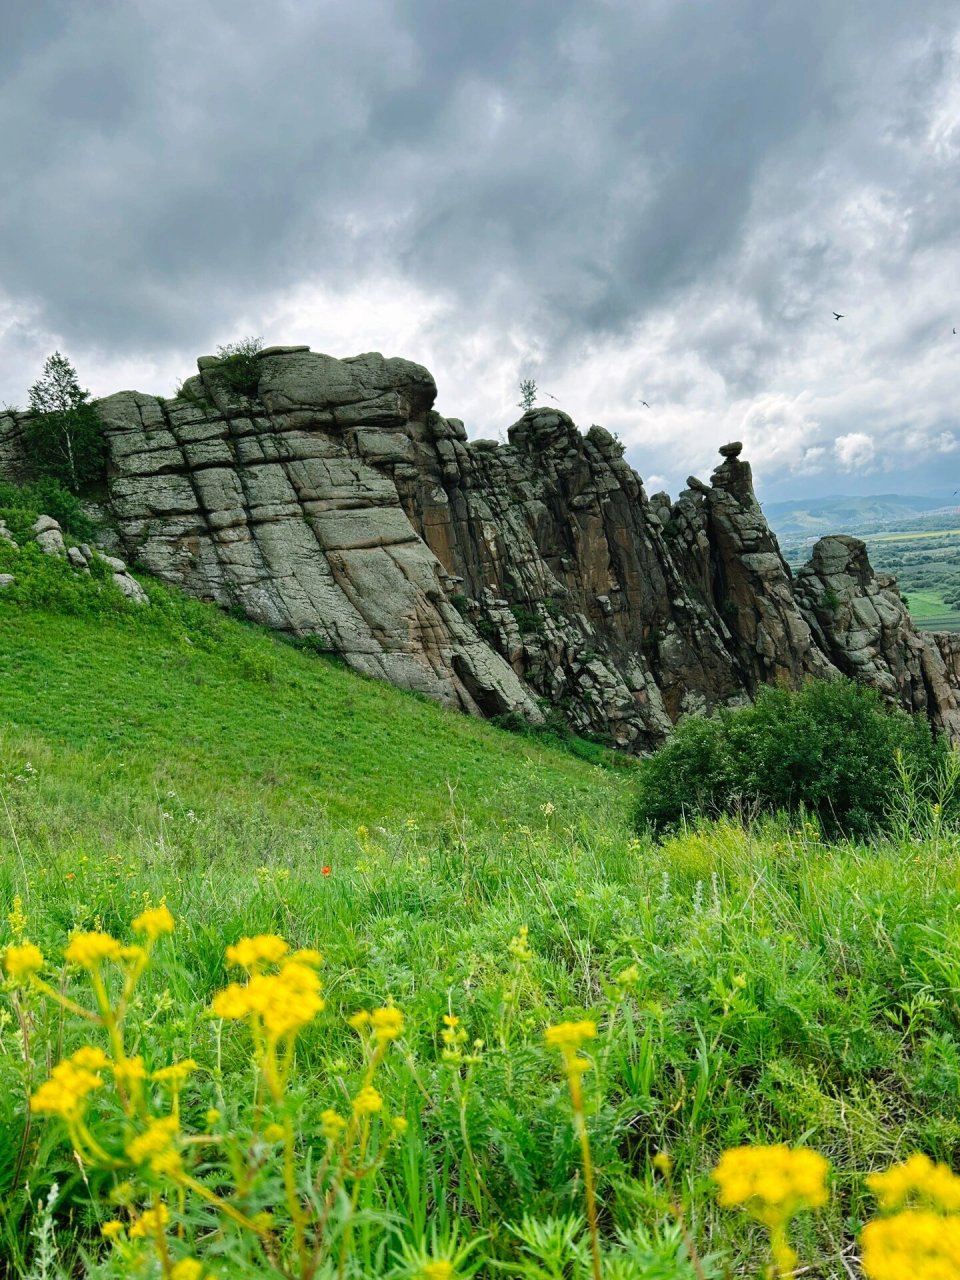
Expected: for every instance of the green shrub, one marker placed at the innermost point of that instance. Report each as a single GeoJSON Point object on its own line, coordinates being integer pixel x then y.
{"type": "Point", "coordinates": [21, 504]}
{"type": "Point", "coordinates": [528, 622]}
{"type": "Point", "coordinates": [829, 750]}
{"type": "Point", "coordinates": [239, 365]}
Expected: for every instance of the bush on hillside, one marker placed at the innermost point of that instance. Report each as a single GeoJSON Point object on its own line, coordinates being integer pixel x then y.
{"type": "Point", "coordinates": [21, 504]}
{"type": "Point", "coordinates": [830, 750]}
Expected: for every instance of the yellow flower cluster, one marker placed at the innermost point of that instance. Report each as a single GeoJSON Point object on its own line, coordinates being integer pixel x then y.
{"type": "Point", "coordinates": [153, 922]}
{"type": "Point", "coordinates": [186, 1269]}
{"type": "Point", "coordinates": [569, 1036]}
{"type": "Point", "coordinates": [367, 1101]}
{"type": "Point", "coordinates": [176, 1073]}
{"type": "Point", "coordinates": [21, 961]}
{"type": "Point", "coordinates": [17, 919]}
{"type": "Point", "coordinates": [71, 1080]}
{"type": "Point", "coordinates": [151, 1222]}
{"type": "Point", "coordinates": [772, 1182]}
{"type": "Point", "coordinates": [155, 1146]}
{"type": "Point", "coordinates": [89, 950]}
{"type": "Point", "coordinates": [281, 1003]}
{"type": "Point", "coordinates": [917, 1243]}
{"type": "Point", "coordinates": [384, 1024]}
{"type": "Point", "coordinates": [454, 1038]}
{"type": "Point", "coordinates": [918, 1177]}
{"type": "Point", "coordinates": [253, 953]}
{"type": "Point", "coordinates": [519, 947]}
{"type": "Point", "coordinates": [439, 1270]}
{"type": "Point", "coordinates": [332, 1125]}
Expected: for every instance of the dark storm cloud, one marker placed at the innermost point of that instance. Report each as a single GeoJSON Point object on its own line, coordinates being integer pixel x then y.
{"type": "Point", "coordinates": [572, 170]}
{"type": "Point", "coordinates": [162, 160]}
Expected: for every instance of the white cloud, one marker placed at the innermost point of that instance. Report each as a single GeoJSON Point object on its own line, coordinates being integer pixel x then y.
{"type": "Point", "coordinates": [855, 451]}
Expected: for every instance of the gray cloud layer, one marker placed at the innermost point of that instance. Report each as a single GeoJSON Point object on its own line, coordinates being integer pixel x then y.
{"type": "Point", "coordinates": [625, 198]}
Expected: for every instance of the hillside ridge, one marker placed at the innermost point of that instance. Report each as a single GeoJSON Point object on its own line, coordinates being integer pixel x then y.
{"type": "Point", "coordinates": [331, 500]}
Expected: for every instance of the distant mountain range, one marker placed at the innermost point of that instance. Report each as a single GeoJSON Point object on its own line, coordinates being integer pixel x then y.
{"type": "Point", "coordinates": [814, 517]}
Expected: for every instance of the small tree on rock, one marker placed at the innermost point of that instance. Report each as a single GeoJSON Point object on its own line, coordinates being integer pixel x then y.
{"type": "Point", "coordinates": [528, 393]}
{"type": "Point", "coordinates": [65, 432]}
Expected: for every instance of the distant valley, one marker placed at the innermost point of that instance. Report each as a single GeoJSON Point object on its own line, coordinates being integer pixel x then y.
{"type": "Point", "coordinates": [915, 538]}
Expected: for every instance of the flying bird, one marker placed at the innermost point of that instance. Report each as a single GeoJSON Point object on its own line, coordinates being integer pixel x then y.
{"type": "Point", "coordinates": [837, 315]}
{"type": "Point", "coordinates": [644, 403]}
{"type": "Point", "coordinates": [954, 331]}
{"type": "Point", "coordinates": [553, 397]}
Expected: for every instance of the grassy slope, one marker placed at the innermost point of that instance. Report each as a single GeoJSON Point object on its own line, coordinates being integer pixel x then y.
{"type": "Point", "coordinates": [124, 712]}
{"type": "Point", "coordinates": [785, 988]}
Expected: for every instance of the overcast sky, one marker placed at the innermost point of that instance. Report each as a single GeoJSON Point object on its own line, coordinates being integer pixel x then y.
{"type": "Point", "coordinates": [660, 200]}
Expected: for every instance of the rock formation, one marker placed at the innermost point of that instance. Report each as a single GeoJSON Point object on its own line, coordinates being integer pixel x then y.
{"type": "Point", "coordinates": [333, 501]}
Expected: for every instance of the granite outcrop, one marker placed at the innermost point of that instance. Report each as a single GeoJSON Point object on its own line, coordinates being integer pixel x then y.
{"type": "Point", "coordinates": [533, 577]}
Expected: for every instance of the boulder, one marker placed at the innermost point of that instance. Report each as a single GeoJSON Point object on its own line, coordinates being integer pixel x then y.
{"type": "Point", "coordinates": [49, 537]}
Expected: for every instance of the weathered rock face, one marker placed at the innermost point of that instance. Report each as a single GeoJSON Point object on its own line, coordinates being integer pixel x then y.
{"type": "Point", "coordinates": [861, 623]}
{"type": "Point", "coordinates": [335, 502]}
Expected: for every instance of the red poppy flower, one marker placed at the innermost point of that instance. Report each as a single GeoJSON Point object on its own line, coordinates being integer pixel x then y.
{"type": "Point", "coordinates": [324, 871]}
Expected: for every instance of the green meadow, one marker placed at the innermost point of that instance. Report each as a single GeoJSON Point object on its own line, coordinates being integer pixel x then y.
{"type": "Point", "coordinates": [745, 984]}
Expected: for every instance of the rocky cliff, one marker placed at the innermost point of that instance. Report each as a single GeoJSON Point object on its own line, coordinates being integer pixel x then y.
{"type": "Point", "coordinates": [332, 501]}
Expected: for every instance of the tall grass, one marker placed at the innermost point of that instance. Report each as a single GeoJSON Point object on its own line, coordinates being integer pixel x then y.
{"type": "Point", "coordinates": [778, 989]}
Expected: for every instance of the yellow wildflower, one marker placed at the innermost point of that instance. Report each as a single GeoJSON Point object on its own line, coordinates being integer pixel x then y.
{"type": "Point", "coordinates": [663, 1163]}
{"type": "Point", "coordinates": [273, 1133]}
{"type": "Point", "coordinates": [65, 1093]}
{"type": "Point", "coordinates": [519, 947]}
{"type": "Point", "coordinates": [399, 1125]}
{"type": "Point", "coordinates": [186, 1269]}
{"type": "Point", "coordinates": [367, 1101]}
{"type": "Point", "coordinates": [154, 922]}
{"type": "Point", "coordinates": [917, 1176]}
{"type": "Point", "coordinates": [441, 1269]}
{"type": "Point", "coordinates": [176, 1073]}
{"type": "Point", "coordinates": [332, 1125]}
{"type": "Point", "coordinates": [16, 919]}
{"type": "Point", "coordinates": [232, 1002]}
{"type": "Point", "coordinates": [151, 1222]}
{"type": "Point", "coordinates": [772, 1182]}
{"type": "Point", "coordinates": [307, 955]}
{"type": "Point", "coordinates": [359, 1021]}
{"type": "Point", "coordinates": [213, 1117]}
{"type": "Point", "coordinates": [155, 1146]}
{"type": "Point", "coordinates": [252, 953]}
{"type": "Point", "coordinates": [286, 1001]}
{"type": "Point", "coordinates": [569, 1036]}
{"type": "Point", "coordinates": [629, 977]}
{"type": "Point", "coordinates": [916, 1243]}
{"type": "Point", "coordinates": [387, 1023]}
{"type": "Point", "coordinates": [130, 1070]}
{"type": "Point", "coordinates": [135, 954]}
{"type": "Point", "coordinates": [91, 1057]}
{"type": "Point", "coordinates": [89, 950]}
{"type": "Point", "coordinates": [23, 960]}
{"type": "Point", "coordinates": [282, 1002]}
{"type": "Point", "coordinates": [110, 1230]}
